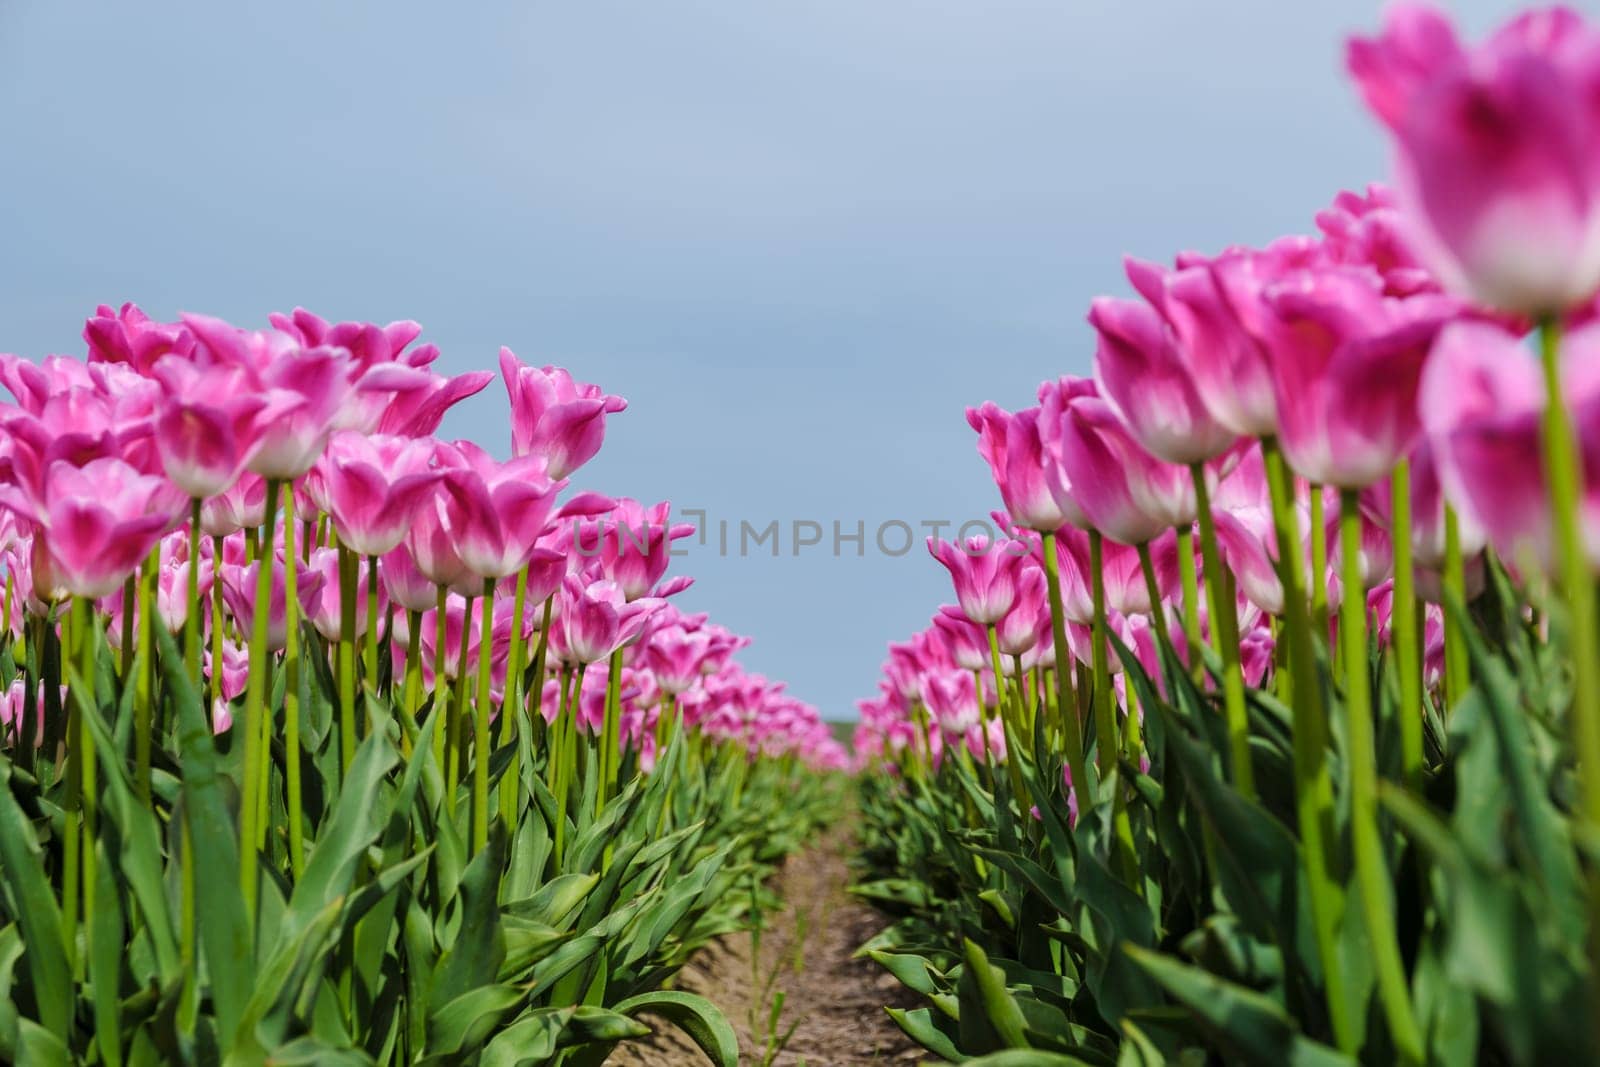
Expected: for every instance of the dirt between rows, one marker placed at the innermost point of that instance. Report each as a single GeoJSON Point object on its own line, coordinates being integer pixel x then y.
{"type": "Point", "coordinates": [833, 1002]}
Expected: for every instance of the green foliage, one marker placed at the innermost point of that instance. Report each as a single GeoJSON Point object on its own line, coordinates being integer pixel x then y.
{"type": "Point", "coordinates": [393, 945]}
{"type": "Point", "coordinates": [1031, 941]}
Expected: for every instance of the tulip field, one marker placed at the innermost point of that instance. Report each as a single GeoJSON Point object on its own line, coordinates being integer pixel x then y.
{"type": "Point", "coordinates": [1269, 729]}
{"type": "Point", "coordinates": [330, 742]}
{"type": "Point", "coordinates": [1265, 731]}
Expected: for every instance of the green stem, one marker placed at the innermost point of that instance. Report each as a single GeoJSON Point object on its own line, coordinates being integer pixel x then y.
{"type": "Point", "coordinates": [1563, 463]}
{"type": "Point", "coordinates": [1105, 720]}
{"type": "Point", "coordinates": [1457, 672]}
{"type": "Point", "coordinates": [413, 690]}
{"type": "Point", "coordinates": [1313, 782]}
{"type": "Point", "coordinates": [83, 632]}
{"type": "Point", "coordinates": [348, 578]}
{"type": "Point", "coordinates": [563, 760]}
{"type": "Point", "coordinates": [1191, 603]}
{"type": "Point", "coordinates": [1013, 756]}
{"type": "Point", "coordinates": [1403, 628]}
{"type": "Point", "coordinates": [611, 732]}
{"type": "Point", "coordinates": [1319, 561]}
{"type": "Point", "coordinates": [1225, 634]}
{"type": "Point", "coordinates": [291, 690]}
{"type": "Point", "coordinates": [441, 688]}
{"type": "Point", "coordinates": [480, 741]}
{"type": "Point", "coordinates": [191, 620]}
{"type": "Point", "coordinates": [130, 593]}
{"type": "Point", "coordinates": [458, 707]}
{"type": "Point", "coordinates": [144, 666]}
{"type": "Point", "coordinates": [1066, 702]}
{"type": "Point", "coordinates": [250, 722]}
{"type": "Point", "coordinates": [214, 686]}
{"type": "Point", "coordinates": [511, 702]}
{"type": "Point", "coordinates": [1372, 874]}
{"type": "Point", "coordinates": [72, 850]}
{"type": "Point", "coordinates": [371, 664]}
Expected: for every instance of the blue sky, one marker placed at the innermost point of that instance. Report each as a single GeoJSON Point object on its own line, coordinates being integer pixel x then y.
{"type": "Point", "coordinates": [801, 236]}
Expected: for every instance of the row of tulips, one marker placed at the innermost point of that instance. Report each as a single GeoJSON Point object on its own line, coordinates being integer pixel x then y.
{"type": "Point", "coordinates": [1272, 727]}
{"type": "Point", "coordinates": [327, 740]}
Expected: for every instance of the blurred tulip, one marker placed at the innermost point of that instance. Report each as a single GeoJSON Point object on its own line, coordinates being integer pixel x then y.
{"type": "Point", "coordinates": [1498, 151]}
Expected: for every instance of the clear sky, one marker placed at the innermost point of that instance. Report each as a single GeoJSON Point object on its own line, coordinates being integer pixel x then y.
{"type": "Point", "coordinates": [800, 236]}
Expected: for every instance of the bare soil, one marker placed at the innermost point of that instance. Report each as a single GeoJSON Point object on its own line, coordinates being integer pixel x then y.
{"type": "Point", "coordinates": [834, 1003]}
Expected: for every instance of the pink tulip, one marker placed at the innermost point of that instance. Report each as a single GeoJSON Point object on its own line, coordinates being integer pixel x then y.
{"type": "Point", "coordinates": [1367, 230]}
{"type": "Point", "coordinates": [495, 512]}
{"type": "Point", "coordinates": [172, 580]}
{"type": "Point", "coordinates": [985, 574]}
{"type": "Point", "coordinates": [1126, 493]}
{"type": "Point", "coordinates": [1216, 310]}
{"type": "Point", "coordinates": [457, 625]}
{"type": "Point", "coordinates": [1346, 366]}
{"type": "Point", "coordinates": [19, 711]}
{"type": "Point", "coordinates": [305, 388]}
{"type": "Point", "coordinates": [96, 523]}
{"type": "Point", "coordinates": [208, 424]}
{"type": "Point", "coordinates": [554, 416]}
{"type": "Point", "coordinates": [1027, 624]}
{"type": "Point", "coordinates": [417, 412]}
{"type": "Point", "coordinates": [1481, 399]}
{"type": "Point", "coordinates": [235, 672]}
{"type": "Point", "coordinates": [597, 619]}
{"type": "Point", "coordinates": [374, 486]}
{"type": "Point", "coordinates": [323, 609]}
{"type": "Point", "coordinates": [964, 640]}
{"type": "Point", "coordinates": [406, 586]}
{"type": "Point", "coordinates": [1141, 374]}
{"type": "Point", "coordinates": [239, 583]}
{"type": "Point", "coordinates": [1498, 151]}
{"type": "Point", "coordinates": [675, 655]}
{"type": "Point", "coordinates": [633, 544]}
{"type": "Point", "coordinates": [952, 699]}
{"type": "Point", "coordinates": [1031, 482]}
{"type": "Point", "coordinates": [131, 337]}
{"type": "Point", "coordinates": [242, 506]}
{"type": "Point", "coordinates": [434, 549]}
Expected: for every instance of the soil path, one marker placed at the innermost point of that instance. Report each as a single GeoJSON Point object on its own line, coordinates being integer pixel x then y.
{"type": "Point", "coordinates": [834, 1002]}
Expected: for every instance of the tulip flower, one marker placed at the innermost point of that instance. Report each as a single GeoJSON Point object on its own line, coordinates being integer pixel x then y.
{"type": "Point", "coordinates": [1368, 230]}
{"type": "Point", "coordinates": [1216, 311]}
{"type": "Point", "coordinates": [405, 584]}
{"type": "Point", "coordinates": [1480, 399]}
{"type": "Point", "coordinates": [242, 506]}
{"type": "Point", "coordinates": [633, 544]}
{"type": "Point", "coordinates": [1126, 493]}
{"type": "Point", "coordinates": [985, 574]}
{"type": "Point", "coordinates": [952, 699]}
{"type": "Point", "coordinates": [1031, 482]}
{"type": "Point", "coordinates": [417, 412]}
{"type": "Point", "coordinates": [323, 609]}
{"type": "Point", "coordinates": [239, 583]}
{"type": "Point", "coordinates": [374, 486]}
{"type": "Point", "coordinates": [675, 655]}
{"type": "Point", "coordinates": [1142, 376]}
{"type": "Point", "coordinates": [96, 523]}
{"type": "Point", "coordinates": [129, 336]}
{"type": "Point", "coordinates": [208, 425]}
{"type": "Point", "coordinates": [495, 512]}
{"type": "Point", "coordinates": [964, 640]}
{"type": "Point", "coordinates": [1496, 171]}
{"type": "Point", "coordinates": [555, 417]}
{"type": "Point", "coordinates": [305, 388]}
{"type": "Point", "coordinates": [596, 619]}
{"type": "Point", "coordinates": [1346, 366]}
{"type": "Point", "coordinates": [1027, 624]}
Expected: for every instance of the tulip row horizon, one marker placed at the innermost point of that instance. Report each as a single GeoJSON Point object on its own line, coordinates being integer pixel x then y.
{"type": "Point", "coordinates": [1313, 454]}
{"type": "Point", "coordinates": [181, 442]}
